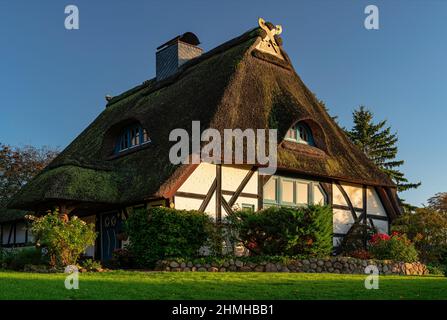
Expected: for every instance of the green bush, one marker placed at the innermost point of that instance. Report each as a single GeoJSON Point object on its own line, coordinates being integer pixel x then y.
{"type": "Point", "coordinates": [354, 242]}
{"type": "Point", "coordinates": [91, 265]}
{"type": "Point", "coordinates": [427, 229]}
{"type": "Point", "coordinates": [437, 269]}
{"type": "Point", "coordinates": [16, 259]}
{"type": "Point", "coordinates": [396, 247]}
{"type": "Point", "coordinates": [284, 231]}
{"type": "Point", "coordinates": [121, 259]}
{"type": "Point", "coordinates": [158, 233]}
{"type": "Point", "coordinates": [65, 239]}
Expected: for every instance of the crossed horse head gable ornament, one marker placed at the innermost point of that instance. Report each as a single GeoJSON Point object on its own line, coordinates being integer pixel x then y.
{"type": "Point", "coordinates": [270, 42]}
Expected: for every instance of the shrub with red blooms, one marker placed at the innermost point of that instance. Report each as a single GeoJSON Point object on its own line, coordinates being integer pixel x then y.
{"type": "Point", "coordinates": [379, 237]}
{"type": "Point", "coordinates": [395, 247]}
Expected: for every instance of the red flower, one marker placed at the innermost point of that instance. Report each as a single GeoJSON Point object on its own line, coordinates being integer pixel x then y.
{"type": "Point", "coordinates": [379, 237]}
{"type": "Point", "coordinates": [252, 245]}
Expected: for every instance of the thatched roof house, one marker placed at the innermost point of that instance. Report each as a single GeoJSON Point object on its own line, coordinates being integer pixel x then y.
{"type": "Point", "coordinates": [247, 82]}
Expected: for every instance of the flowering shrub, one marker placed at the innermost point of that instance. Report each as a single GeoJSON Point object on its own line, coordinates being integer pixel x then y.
{"type": "Point", "coordinates": [361, 254]}
{"type": "Point", "coordinates": [395, 247]}
{"type": "Point", "coordinates": [379, 237]}
{"type": "Point", "coordinates": [64, 239]}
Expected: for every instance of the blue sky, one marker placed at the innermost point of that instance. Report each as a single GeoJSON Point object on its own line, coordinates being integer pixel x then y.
{"type": "Point", "coordinates": [53, 81]}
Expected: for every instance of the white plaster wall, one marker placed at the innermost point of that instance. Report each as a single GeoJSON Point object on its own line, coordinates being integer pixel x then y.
{"type": "Point", "coordinates": [355, 194]}
{"type": "Point", "coordinates": [342, 221]}
{"type": "Point", "coordinates": [374, 205]}
{"type": "Point", "coordinates": [232, 178]}
{"type": "Point", "coordinates": [200, 180]}
{"type": "Point", "coordinates": [337, 196]}
{"type": "Point", "coordinates": [6, 228]}
{"type": "Point", "coordinates": [90, 251]}
{"type": "Point", "coordinates": [182, 203]}
{"type": "Point", "coordinates": [20, 232]}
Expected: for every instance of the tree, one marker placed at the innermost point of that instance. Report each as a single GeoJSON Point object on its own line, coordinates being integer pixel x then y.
{"type": "Point", "coordinates": [438, 202]}
{"type": "Point", "coordinates": [379, 145]}
{"type": "Point", "coordinates": [427, 229]}
{"type": "Point", "coordinates": [20, 165]}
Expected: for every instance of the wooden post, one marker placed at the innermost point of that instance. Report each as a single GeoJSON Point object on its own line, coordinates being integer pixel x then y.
{"type": "Point", "coordinates": [365, 219]}
{"type": "Point", "coordinates": [218, 193]}
{"type": "Point", "coordinates": [98, 238]}
{"type": "Point", "coordinates": [260, 191]}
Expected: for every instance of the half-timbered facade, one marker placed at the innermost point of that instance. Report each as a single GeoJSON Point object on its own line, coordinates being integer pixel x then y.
{"type": "Point", "coordinates": [121, 160]}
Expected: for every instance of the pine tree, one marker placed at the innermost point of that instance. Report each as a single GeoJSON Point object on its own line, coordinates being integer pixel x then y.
{"type": "Point", "coordinates": [379, 144]}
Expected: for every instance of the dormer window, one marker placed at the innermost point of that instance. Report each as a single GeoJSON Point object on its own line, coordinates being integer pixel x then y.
{"type": "Point", "coordinates": [300, 133]}
{"type": "Point", "coordinates": [131, 137]}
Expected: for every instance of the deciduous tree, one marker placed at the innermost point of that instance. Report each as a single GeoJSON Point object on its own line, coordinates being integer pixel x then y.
{"type": "Point", "coordinates": [20, 165]}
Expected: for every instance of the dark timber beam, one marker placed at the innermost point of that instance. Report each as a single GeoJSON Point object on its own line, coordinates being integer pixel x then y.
{"type": "Point", "coordinates": [226, 206]}
{"type": "Point", "coordinates": [190, 195]}
{"type": "Point", "coordinates": [365, 221]}
{"type": "Point", "coordinates": [383, 196]}
{"type": "Point", "coordinates": [11, 230]}
{"type": "Point", "coordinates": [260, 191]}
{"type": "Point", "coordinates": [218, 193]}
{"type": "Point", "coordinates": [208, 196]}
{"type": "Point", "coordinates": [241, 187]}
{"type": "Point", "coordinates": [348, 201]}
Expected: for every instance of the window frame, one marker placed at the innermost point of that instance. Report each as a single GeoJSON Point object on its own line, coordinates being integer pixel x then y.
{"type": "Point", "coordinates": [126, 136]}
{"type": "Point", "coordinates": [297, 127]}
{"type": "Point", "coordinates": [310, 193]}
{"type": "Point", "coordinates": [248, 206]}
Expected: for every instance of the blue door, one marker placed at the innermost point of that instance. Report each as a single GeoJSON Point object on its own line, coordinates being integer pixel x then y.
{"type": "Point", "coordinates": [110, 227]}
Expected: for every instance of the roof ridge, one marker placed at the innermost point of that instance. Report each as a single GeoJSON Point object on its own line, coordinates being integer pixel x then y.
{"type": "Point", "coordinates": [252, 33]}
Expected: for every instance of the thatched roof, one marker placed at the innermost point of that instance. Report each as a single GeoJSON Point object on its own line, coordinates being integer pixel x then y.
{"type": "Point", "coordinates": [9, 215]}
{"type": "Point", "coordinates": [231, 86]}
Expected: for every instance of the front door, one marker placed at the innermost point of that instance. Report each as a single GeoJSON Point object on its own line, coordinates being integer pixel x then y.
{"type": "Point", "coordinates": [110, 227]}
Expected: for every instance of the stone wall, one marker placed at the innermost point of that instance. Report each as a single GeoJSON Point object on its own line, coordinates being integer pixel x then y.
{"type": "Point", "coordinates": [343, 265]}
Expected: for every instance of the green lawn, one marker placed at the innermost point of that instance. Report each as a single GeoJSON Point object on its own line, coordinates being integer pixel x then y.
{"type": "Point", "coordinates": [160, 285]}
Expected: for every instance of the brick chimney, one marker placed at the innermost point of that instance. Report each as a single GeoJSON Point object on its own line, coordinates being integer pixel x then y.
{"type": "Point", "coordinates": [171, 55]}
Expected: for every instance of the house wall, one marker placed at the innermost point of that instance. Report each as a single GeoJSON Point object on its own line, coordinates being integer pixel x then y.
{"type": "Point", "coordinates": [200, 181]}
{"type": "Point", "coordinates": [90, 251]}
{"type": "Point", "coordinates": [15, 234]}
{"type": "Point", "coordinates": [343, 218]}
{"type": "Point", "coordinates": [193, 191]}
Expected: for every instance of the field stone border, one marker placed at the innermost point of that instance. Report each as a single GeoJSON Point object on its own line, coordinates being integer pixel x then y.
{"type": "Point", "coordinates": [341, 265]}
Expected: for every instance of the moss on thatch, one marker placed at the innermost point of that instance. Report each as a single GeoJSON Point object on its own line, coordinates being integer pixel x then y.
{"type": "Point", "coordinates": [228, 87]}
{"type": "Point", "coordinates": [8, 215]}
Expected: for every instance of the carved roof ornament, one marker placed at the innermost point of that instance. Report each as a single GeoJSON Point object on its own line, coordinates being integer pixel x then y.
{"type": "Point", "coordinates": [270, 42]}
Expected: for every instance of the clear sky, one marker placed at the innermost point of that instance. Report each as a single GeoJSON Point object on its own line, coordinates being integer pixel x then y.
{"type": "Point", "coordinates": [53, 81]}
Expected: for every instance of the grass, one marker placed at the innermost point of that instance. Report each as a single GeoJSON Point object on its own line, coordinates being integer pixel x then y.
{"type": "Point", "coordinates": [160, 285]}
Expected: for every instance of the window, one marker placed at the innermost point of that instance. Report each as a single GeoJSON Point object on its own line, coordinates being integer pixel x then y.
{"type": "Point", "coordinates": [300, 133]}
{"type": "Point", "coordinates": [319, 195]}
{"type": "Point", "coordinates": [249, 207]}
{"type": "Point", "coordinates": [270, 189]}
{"type": "Point", "coordinates": [287, 194]}
{"type": "Point", "coordinates": [132, 137]}
{"type": "Point", "coordinates": [283, 191]}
